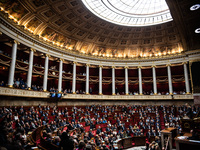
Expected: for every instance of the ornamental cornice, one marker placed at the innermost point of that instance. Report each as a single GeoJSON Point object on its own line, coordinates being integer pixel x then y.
{"type": "Point", "coordinates": [26, 38]}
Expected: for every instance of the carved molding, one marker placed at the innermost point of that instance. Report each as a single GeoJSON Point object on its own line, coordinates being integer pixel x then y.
{"type": "Point", "coordinates": [26, 93]}
{"type": "Point", "coordinates": [35, 42]}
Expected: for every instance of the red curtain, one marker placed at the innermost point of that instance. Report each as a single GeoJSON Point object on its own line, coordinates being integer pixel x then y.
{"type": "Point", "coordinates": [146, 72]}
{"type": "Point", "coordinates": [94, 72]}
{"type": "Point", "coordinates": [107, 89]}
{"type": "Point", "coordinates": [132, 72]}
{"type": "Point", "coordinates": [177, 70]}
{"type": "Point", "coordinates": [119, 72]}
{"type": "Point", "coordinates": [161, 71]}
{"type": "Point", "coordinates": [107, 72]}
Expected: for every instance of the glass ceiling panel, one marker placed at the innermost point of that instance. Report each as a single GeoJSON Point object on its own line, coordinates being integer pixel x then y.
{"type": "Point", "coordinates": [130, 12]}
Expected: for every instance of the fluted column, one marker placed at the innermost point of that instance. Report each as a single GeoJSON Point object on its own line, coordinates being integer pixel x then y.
{"type": "Point", "coordinates": [154, 80]}
{"type": "Point", "coordinates": [12, 65]}
{"type": "Point", "coordinates": [126, 81]}
{"type": "Point", "coordinates": [46, 69]}
{"type": "Point", "coordinates": [74, 78]}
{"type": "Point", "coordinates": [113, 80]}
{"type": "Point", "coordinates": [187, 86]}
{"type": "Point", "coordinates": [30, 68]}
{"type": "Point", "coordinates": [87, 79]}
{"type": "Point", "coordinates": [100, 80]}
{"type": "Point", "coordinates": [140, 79]}
{"type": "Point", "coordinates": [60, 75]}
{"type": "Point", "coordinates": [169, 79]}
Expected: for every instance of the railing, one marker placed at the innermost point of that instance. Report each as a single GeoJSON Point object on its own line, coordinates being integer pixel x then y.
{"type": "Point", "coordinates": [37, 94]}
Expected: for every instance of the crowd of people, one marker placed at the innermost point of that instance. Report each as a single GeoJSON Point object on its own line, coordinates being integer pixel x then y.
{"type": "Point", "coordinates": [21, 84]}
{"type": "Point", "coordinates": [105, 124]}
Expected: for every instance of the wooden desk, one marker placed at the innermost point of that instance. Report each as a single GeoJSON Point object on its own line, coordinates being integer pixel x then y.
{"type": "Point", "coordinates": [127, 142]}
{"type": "Point", "coordinates": [185, 144]}
{"type": "Point", "coordinates": [139, 140]}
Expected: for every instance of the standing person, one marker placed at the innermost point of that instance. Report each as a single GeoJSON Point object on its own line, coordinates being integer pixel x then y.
{"type": "Point", "coordinates": [66, 143]}
{"type": "Point", "coordinates": [90, 90]}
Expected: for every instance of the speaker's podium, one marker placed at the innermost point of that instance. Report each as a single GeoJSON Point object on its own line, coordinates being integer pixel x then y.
{"type": "Point", "coordinates": [167, 137]}
{"type": "Point", "coordinates": [189, 140]}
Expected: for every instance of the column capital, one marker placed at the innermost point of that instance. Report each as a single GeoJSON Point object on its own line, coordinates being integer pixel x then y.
{"type": "Point", "coordinates": [1, 33]}
{"type": "Point", "coordinates": [168, 65]}
{"type": "Point", "coordinates": [47, 55]}
{"type": "Point", "coordinates": [17, 42]}
{"type": "Point", "coordinates": [88, 65]}
{"type": "Point", "coordinates": [113, 67]}
{"type": "Point", "coordinates": [100, 66]}
{"type": "Point", "coordinates": [153, 66]}
{"type": "Point", "coordinates": [61, 59]}
{"type": "Point", "coordinates": [184, 62]}
{"type": "Point", "coordinates": [126, 67]}
{"type": "Point", "coordinates": [74, 62]}
{"type": "Point", "coordinates": [139, 67]}
{"type": "Point", "coordinates": [32, 49]}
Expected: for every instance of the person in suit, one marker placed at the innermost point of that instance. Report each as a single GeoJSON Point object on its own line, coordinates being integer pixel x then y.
{"type": "Point", "coordinates": [67, 142]}
{"type": "Point", "coordinates": [99, 130]}
{"type": "Point", "coordinates": [148, 135]}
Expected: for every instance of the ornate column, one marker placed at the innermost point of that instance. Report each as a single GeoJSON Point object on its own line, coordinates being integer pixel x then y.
{"type": "Point", "coordinates": [46, 69]}
{"type": "Point", "coordinates": [126, 80]}
{"type": "Point", "coordinates": [60, 76]}
{"type": "Point", "coordinates": [140, 79]}
{"type": "Point", "coordinates": [154, 80]}
{"type": "Point", "coordinates": [30, 68]}
{"type": "Point", "coordinates": [12, 65]}
{"type": "Point", "coordinates": [169, 79]}
{"type": "Point", "coordinates": [187, 86]}
{"type": "Point", "coordinates": [113, 80]}
{"type": "Point", "coordinates": [100, 80]}
{"type": "Point", "coordinates": [74, 78]}
{"type": "Point", "coordinates": [87, 79]}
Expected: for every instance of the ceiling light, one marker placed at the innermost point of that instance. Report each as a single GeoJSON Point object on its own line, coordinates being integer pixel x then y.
{"type": "Point", "coordinates": [195, 7]}
{"type": "Point", "coordinates": [197, 30]}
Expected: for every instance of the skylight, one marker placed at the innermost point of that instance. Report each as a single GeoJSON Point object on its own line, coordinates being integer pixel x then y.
{"type": "Point", "coordinates": [130, 12]}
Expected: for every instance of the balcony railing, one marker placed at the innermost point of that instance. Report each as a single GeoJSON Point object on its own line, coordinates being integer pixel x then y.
{"type": "Point", "coordinates": [4, 91]}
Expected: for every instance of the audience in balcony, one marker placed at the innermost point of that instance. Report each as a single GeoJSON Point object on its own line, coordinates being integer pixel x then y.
{"type": "Point", "coordinates": [21, 84]}
{"type": "Point", "coordinates": [2, 83]}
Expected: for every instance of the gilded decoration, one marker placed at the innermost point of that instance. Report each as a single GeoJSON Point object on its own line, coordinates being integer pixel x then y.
{"type": "Point", "coordinates": [13, 8]}
{"type": "Point", "coordinates": [111, 42]}
{"type": "Point", "coordinates": [33, 24]}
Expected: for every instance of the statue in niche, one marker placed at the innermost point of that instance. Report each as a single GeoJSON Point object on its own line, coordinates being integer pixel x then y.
{"type": "Point", "coordinates": [169, 48]}
{"type": "Point", "coordinates": [67, 42]}
{"type": "Point", "coordinates": [51, 38]}
{"type": "Point", "coordinates": [102, 50]}
{"type": "Point", "coordinates": [163, 48]}
{"type": "Point", "coordinates": [114, 51]}
{"type": "Point", "coordinates": [14, 8]}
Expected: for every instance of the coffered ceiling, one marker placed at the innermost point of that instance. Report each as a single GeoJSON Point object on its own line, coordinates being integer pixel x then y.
{"type": "Point", "coordinates": [70, 25]}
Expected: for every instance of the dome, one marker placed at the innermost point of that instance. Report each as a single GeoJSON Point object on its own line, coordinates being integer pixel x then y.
{"type": "Point", "coordinates": [129, 12]}
{"type": "Point", "coordinates": [76, 27]}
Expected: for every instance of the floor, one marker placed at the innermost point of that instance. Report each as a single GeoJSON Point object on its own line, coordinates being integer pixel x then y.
{"type": "Point", "coordinates": [137, 148]}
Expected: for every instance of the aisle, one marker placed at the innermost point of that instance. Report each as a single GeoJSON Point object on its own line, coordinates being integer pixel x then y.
{"type": "Point", "coordinates": [137, 148]}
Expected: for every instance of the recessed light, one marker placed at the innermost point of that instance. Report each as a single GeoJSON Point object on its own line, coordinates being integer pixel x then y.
{"type": "Point", "coordinates": [195, 7]}
{"type": "Point", "coordinates": [197, 30]}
